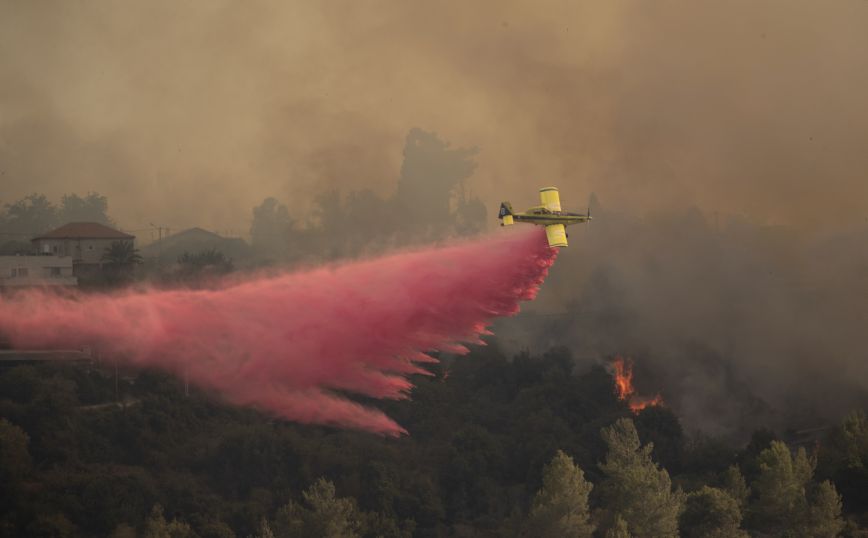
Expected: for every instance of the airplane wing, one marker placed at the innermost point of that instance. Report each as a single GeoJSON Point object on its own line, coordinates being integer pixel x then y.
{"type": "Point", "coordinates": [557, 235]}
{"type": "Point", "coordinates": [550, 198]}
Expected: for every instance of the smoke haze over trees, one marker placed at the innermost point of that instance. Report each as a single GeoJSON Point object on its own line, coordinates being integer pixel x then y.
{"type": "Point", "coordinates": [191, 114]}
{"type": "Point", "coordinates": [431, 203]}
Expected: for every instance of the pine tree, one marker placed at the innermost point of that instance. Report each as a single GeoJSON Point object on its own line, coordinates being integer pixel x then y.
{"type": "Point", "coordinates": [824, 513]}
{"type": "Point", "coordinates": [324, 516]}
{"type": "Point", "coordinates": [787, 503]}
{"type": "Point", "coordinates": [711, 512]}
{"type": "Point", "coordinates": [157, 527]}
{"type": "Point", "coordinates": [634, 487]}
{"type": "Point", "coordinates": [560, 507]}
{"type": "Point", "coordinates": [735, 485]}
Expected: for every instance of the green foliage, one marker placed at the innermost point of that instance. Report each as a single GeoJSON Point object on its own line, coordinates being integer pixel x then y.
{"type": "Point", "coordinates": [634, 487]}
{"type": "Point", "coordinates": [123, 531]}
{"type": "Point", "coordinates": [787, 503]}
{"type": "Point", "coordinates": [479, 460]}
{"type": "Point", "coordinates": [431, 175]}
{"type": "Point", "coordinates": [35, 213]}
{"type": "Point", "coordinates": [711, 512]}
{"type": "Point", "coordinates": [844, 459]}
{"type": "Point", "coordinates": [430, 203]}
{"type": "Point", "coordinates": [53, 525]}
{"type": "Point", "coordinates": [15, 464]}
{"type": "Point", "coordinates": [824, 512]}
{"type": "Point", "coordinates": [203, 264]}
{"type": "Point", "coordinates": [157, 526]}
{"type": "Point", "coordinates": [121, 254]}
{"type": "Point", "coordinates": [323, 515]}
{"type": "Point", "coordinates": [93, 207]}
{"type": "Point", "coordinates": [660, 427]}
{"type": "Point", "coordinates": [15, 460]}
{"type": "Point", "coordinates": [560, 507]}
{"type": "Point", "coordinates": [31, 215]}
{"type": "Point", "coordinates": [119, 261]}
{"type": "Point", "coordinates": [735, 485]}
{"type": "Point", "coordinates": [619, 528]}
{"type": "Point", "coordinates": [264, 530]}
{"type": "Point", "coordinates": [780, 488]}
{"type": "Point", "coordinates": [271, 226]}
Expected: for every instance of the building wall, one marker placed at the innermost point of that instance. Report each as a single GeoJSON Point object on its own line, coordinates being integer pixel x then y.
{"type": "Point", "coordinates": [80, 250]}
{"type": "Point", "coordinates": [36, 271]}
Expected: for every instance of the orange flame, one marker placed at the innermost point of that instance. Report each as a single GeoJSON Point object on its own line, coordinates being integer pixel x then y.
{"type": "Point", "coordinates": [623, 376]}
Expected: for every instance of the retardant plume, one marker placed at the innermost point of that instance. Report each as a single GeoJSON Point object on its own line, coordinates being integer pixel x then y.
{"type": "Point", "coordinates": [285, 343]}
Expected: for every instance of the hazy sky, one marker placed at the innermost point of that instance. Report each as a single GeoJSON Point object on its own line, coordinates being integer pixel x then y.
{"type": "Point", "coordinates": [189, 113]}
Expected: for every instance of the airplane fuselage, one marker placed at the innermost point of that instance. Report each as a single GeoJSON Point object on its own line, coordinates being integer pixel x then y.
{"type": "Point", "coordinates": [544, 217]}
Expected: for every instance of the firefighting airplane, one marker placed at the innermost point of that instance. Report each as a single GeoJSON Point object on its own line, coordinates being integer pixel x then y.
{"type": "Point", "coordinates": [548, 214]}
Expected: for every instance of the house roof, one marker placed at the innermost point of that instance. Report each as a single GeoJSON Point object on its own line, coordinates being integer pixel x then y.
{"type": "Point", "coordinates": [193, 240]}
{"type": "Point", "coordinates": [84, 230]}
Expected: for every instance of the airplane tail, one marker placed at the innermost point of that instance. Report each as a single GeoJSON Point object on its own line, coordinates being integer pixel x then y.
{"type": "Point", "coordinates": [505, 214]}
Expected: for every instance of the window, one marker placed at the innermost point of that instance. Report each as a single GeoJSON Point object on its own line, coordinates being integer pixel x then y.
{"type": "Point", "coordinates": [22, 271]}
{"type": "Point", "coordinates": [54, 272]}
{"type": "Point", "coordinates": [14, 273]}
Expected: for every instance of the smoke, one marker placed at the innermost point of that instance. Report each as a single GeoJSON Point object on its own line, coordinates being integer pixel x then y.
{"type": "Point", "coordinates": [191, 113]}
{"type": "Point", "coordinates": [737, 324]}
{"type": "Point", "coordinates": [290, 344]}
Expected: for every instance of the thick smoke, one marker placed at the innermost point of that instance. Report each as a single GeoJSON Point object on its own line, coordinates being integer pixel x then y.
{"type": "Point", "coordinates": [285, 344]}
{"type": "Point", "coordinates": [191, 113]}
{"type": "Point", "coordinates": [739, 325]}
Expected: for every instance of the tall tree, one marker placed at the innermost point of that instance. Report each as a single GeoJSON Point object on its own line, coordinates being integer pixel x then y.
{"type": "Point", "coordinates": [93, 207]}
{"type": "Point", "coordinates": [31, 215]}
{"type": "Point", "coordinates": [787, 502]}
{"type": "Point", "coordinates": [120, 259]}
{"type": "Point", "coordinates": [431, 174]}
{"type": "Point", "coordinates": [322, 515]}
{"type": "Point", "coordinates": [271, 227]}
{"type": "Point", "coordinates": [780, 488]}
{"type": "Point", "coordinates": [844, 459]}
{"type": "Point", "coordinates": [560, 507]}
{"type": "Point", "coordinates": [735, 485]}
{"type": "Point", "coordinates": [634, 487]}
{"type": "Point", "coordinates": [824, 512]}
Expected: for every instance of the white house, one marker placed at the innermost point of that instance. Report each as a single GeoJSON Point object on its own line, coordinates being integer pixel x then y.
{"type": "Point", "coordinates": [20, 271]}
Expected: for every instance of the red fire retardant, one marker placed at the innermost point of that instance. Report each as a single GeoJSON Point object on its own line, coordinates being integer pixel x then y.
{"type": "Point", "coordinates": [284, 344]}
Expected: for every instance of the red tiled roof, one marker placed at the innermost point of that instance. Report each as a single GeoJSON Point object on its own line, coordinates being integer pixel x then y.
{"type": "Point", "coordinates": [84, 230]}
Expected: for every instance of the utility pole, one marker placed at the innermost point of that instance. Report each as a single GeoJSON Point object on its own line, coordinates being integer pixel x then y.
{"type": "Point", "coordinates": [159, 240]}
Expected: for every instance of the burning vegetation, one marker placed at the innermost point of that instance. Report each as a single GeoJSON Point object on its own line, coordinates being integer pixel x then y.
{"type": "Point", "coordinates": [623, 377]}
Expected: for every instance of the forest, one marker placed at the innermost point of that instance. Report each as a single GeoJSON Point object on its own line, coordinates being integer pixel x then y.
{"type": "Point", "coordinates": [497, 446]}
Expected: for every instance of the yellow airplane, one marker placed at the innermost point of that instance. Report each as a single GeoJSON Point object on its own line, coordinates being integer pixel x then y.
{"type": "Point", "coordinates": [548, 214]}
